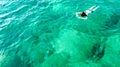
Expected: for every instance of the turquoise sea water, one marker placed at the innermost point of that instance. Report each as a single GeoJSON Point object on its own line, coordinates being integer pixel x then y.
{"type": "Point", "coordinates": [46, 33]}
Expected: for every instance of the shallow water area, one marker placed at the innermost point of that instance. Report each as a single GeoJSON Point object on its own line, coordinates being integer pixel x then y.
{"type": "Point", "coordinates": [46, 33]}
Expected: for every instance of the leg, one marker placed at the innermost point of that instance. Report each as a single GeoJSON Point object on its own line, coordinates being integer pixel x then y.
{"type": "Point", "coordinates": [91, 8]}
{"type": "Point", "coordinates": [95, 8]}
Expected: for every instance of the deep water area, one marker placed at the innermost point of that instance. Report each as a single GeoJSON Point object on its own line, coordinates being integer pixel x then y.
{"type": "Point", "coordinates": [46, 33]}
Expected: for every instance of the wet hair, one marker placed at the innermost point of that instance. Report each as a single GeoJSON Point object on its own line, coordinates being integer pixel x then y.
{"type": "Point", "coordinates": [83, 14]}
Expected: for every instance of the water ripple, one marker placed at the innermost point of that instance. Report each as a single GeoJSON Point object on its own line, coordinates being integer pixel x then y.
{"type": "Point", "coordinates": [30, 30]}
{"type": "Point", "coordinates": [11, 12]}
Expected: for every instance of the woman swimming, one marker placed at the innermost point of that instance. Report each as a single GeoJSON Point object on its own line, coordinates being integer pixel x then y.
{"type": "Point", "coordinates": [84, 14]}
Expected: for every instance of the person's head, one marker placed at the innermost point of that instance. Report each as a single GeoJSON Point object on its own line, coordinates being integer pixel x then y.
{"type": "Point", "coordinates": [83, 14]}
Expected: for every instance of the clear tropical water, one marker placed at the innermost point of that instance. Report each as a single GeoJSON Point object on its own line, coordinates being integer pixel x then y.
{"type": "Point", "coordinates": [46, 33]}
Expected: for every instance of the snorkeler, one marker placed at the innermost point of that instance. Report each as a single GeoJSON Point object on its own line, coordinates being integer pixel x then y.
{"type": "Point", "coordinates": [84, 14]}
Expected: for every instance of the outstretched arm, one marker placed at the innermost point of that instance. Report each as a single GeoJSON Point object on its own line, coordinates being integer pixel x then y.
{"type": "Point", "coordinates": [85, 18]}
{"type": "Point", "coordinates": [77, 13]}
